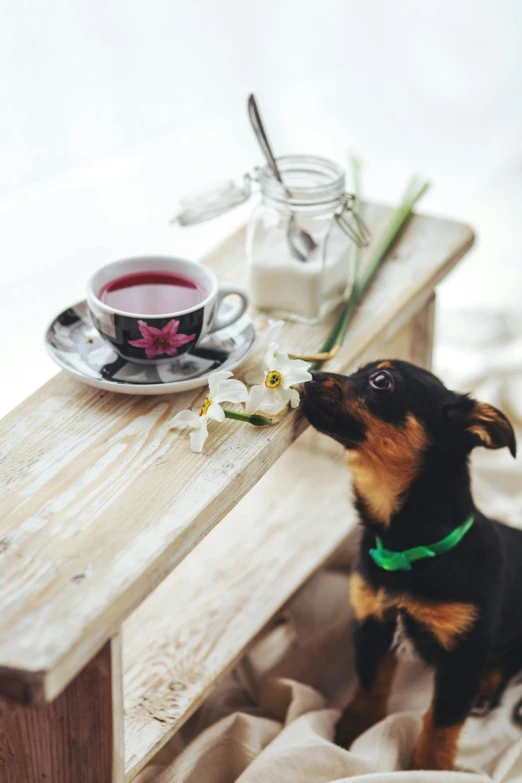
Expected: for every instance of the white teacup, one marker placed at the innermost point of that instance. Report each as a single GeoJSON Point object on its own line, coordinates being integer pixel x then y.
{"type": "Point", "coordinates": [155, 338]}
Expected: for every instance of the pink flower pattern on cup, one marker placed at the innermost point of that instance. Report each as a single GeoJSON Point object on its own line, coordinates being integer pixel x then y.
{"type": "Point", "coordinates": [160, 341]}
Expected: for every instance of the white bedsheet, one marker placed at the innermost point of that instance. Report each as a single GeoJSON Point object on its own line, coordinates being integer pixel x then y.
{"type": "Point", "coordinates": [269, 728]}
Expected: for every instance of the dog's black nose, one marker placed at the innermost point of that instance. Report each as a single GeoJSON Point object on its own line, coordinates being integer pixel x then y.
{"type": "Point", "coordinates": [318, 376]}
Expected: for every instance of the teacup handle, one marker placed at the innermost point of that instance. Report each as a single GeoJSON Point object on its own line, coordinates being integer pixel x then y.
{"type": "Point", "coordinates": [220, 321]}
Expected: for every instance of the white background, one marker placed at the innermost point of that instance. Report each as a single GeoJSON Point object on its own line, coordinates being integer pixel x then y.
{"type": "Point", "coordinates": [109, 111]}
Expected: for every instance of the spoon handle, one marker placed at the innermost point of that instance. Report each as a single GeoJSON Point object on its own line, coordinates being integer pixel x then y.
{"type": "Point", "coordinates": [259, 130]}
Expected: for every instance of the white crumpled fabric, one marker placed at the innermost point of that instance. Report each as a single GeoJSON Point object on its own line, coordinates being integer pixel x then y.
{"type": "Point", "coordinates": [272, 720]}
{"type": "Point", "coordinates": [265, 727]}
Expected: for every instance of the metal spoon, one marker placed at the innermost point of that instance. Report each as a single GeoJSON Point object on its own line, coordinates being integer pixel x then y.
{"type": "Point", "coordinates": [300, 242]}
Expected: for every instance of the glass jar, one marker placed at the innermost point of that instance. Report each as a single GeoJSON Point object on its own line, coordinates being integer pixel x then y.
{"type": "Point", "coordinates": [291, 274]}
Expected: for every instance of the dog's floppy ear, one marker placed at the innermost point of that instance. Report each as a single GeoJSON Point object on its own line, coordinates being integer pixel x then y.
{"type": "Point", "coordinates": [482, 424]}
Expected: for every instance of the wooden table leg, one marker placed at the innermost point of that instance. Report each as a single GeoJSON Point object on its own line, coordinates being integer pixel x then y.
{"type": "Point", "coordinates": [77, 738]}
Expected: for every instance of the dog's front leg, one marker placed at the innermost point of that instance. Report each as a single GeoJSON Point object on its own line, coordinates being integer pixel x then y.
{"type": "Point", "coordinates": [375, 666]}
{"type": "Point", "coordinates": [457, 683]}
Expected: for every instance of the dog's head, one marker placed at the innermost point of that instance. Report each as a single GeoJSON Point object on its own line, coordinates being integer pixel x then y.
{"type": "Point", "coordinates": [389, 414]}
{"type": "Point", "coordinates": [390, 399]}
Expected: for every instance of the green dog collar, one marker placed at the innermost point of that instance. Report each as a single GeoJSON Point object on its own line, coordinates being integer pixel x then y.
{"type": "Point", "coordinates": [401, 561]}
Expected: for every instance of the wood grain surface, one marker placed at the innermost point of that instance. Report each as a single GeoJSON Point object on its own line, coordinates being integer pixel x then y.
{"type": "Point", "coordinates": [215, 602]}
{"type": "Point", "coordinates": [77, 738]}
{"type": "Point", "coordinates": [101, 498]}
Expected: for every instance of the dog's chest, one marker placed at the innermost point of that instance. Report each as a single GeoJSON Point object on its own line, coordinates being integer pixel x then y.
{"type": "Point", "coordinates": [403, 644]}
{"type": "Point", "coordinates": [414, 617]}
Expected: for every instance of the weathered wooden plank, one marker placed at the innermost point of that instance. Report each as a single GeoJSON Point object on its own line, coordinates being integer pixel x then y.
{"type": "Point", "coordinates": [100, 498]}
{"type": "Point", "coordinates": [78, 737]}
{"type": "Point", "coordinates": [225, 591]}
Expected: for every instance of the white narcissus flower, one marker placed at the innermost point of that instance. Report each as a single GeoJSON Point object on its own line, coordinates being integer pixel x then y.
{"type": "Point", "coordinates": [257, 376]}
{"type": "Point", "coordinates": [281, 373]}
{"type": "Point", "coordinates": [221, 389]}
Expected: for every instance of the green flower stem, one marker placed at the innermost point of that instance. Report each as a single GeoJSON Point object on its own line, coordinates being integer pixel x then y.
{"type": "Point", "coordinates": [356, 176]}
{"type": "Point", "coordinates": [331, 338]}
{"type": "Point", "coordinates": [393, 229]}
{"type": "Point", "coordinates": [256, 419]}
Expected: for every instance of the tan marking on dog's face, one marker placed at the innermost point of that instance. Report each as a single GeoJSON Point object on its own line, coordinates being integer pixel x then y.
{"type": "Point", "coordinates": [386, 365]}
{"type": "Point", "coordinates": [385, 464]}
{"type": "Point", "coordinates": [445, 621]}
{"type": "Point", "coordinates": [437, 745]}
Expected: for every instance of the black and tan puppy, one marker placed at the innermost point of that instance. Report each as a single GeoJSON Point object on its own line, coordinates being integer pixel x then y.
{"type": "Point", "coordinates": [432, 568]}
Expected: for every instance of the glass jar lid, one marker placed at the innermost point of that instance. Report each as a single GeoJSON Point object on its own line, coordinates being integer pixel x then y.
{"type": "Point", "coordinates": [212, 201]}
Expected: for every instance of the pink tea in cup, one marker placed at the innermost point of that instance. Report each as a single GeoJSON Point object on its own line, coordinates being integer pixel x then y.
{"type": "Point", "coordinates": [152, 293]}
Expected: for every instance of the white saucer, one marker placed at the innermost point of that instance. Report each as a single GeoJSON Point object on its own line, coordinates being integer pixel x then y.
{"type": "Point", "coordinates": [78, 348]}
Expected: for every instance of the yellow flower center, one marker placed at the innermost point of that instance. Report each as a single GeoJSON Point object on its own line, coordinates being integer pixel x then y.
{"type": "Point", "coordinates": [206, 405]}
{"type": "Point", "coordinates": [273, 379]}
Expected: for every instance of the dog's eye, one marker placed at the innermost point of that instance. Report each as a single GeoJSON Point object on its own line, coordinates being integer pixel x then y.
{"type": "Point", "coordinates": [381, 380]}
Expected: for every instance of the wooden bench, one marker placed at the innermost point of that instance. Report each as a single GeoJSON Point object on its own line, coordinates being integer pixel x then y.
{"type": "Point", "coordinates": [101, 500]}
